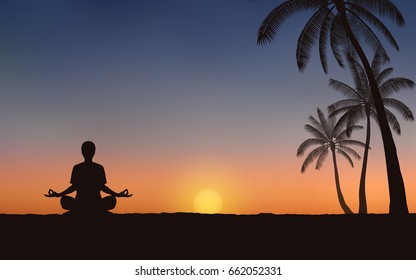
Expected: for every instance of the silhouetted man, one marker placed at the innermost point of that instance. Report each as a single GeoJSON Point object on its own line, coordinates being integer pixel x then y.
{"type": "Point", "coordinates": [88, 180]}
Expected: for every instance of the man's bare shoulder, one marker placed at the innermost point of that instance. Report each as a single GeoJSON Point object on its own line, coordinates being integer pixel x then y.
{"type": "Point", "coordinates": [88, 164]}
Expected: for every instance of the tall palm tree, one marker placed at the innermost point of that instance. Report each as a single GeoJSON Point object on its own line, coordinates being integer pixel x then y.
{"type": "Point", "coordinates": [329, 135]}
{"type": "Point", "coordinates": [360, 104]}
{"type": "Point", "coordinates": [341, 24]}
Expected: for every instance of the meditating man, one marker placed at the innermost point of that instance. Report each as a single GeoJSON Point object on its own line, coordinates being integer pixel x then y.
{"type": "Point", "coordinates": [88, 181]}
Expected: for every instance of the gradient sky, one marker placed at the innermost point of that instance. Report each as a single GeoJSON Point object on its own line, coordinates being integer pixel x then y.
{"type": "Point", "coordinates": [178, 98]}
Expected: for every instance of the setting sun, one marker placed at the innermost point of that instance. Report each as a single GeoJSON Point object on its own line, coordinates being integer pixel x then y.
{"type": "Point", "coordinates": [208, 201]}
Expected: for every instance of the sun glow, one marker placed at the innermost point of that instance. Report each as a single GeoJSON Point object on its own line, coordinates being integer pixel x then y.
{"type": "Point", "coordinates": [205, 186]}
{"type": "Point", "coordinates": [208, 201]}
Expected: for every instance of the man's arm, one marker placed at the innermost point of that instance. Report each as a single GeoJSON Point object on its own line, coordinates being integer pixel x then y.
{"type": "Point", "coordinates": [109, 191]}
{"type": "Point", "coordinates": [52, 193]}
{"type": "Point", "coordinates": [69, 190]}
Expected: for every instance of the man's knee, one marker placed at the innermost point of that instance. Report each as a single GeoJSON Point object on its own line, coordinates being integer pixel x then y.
{"type": "Point", "coordinates": [109, 202]}
{"type": "Point", "coordinates": [67, 202]}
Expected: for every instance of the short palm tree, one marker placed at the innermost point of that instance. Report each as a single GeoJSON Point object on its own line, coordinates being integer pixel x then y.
{"type": "Point", "coordinates": [343, 24]}
{"type": "Point", "coordinates": [360, 104]}
{"type": "Point", "coordinates": [329, 135]}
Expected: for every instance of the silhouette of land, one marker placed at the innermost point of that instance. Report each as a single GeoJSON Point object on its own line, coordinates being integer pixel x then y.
{"type": "Point", "coordinates": [197, 236]}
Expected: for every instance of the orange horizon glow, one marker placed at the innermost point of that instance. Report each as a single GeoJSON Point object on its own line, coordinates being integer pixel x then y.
{"type": "Point", "coordinates": [245, 186]}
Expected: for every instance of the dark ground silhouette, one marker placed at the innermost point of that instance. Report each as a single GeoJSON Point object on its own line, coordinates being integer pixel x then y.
{"type": "Point", "coordinates": [196, 236]}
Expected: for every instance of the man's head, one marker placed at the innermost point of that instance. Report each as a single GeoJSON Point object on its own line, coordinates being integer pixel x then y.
{"type": "Point", "coordinates": [88, 150]}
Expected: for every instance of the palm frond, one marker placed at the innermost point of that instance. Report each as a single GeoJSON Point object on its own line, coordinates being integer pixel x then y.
{"type": "Point", "coordinates": [321, 159]}
{"type": "Point", "coordinates": [344, 89]}
{"type": "Point", "coordinates": [350, 151]}
{"type": "Point", "coordinates": [376, 64]}
{"type": "Point", "coordinates": [350, 116]}
{"type": "Point", "coordinates": [318, 125]}
{"type": "Point", "coordinates": [338, 41]}
{"type": "Point", "coordinates": [315, 132]}
{"type": "Point", "coordinates": [357, 114]}
{"type": "Point", "coordinates": [354, 116]}
{"type": "Point", "coordinates": [327, 124]}
{"type": "Point", "coordinates": [312, 156]}
{"type": "Point", "coordinates": [365, 33]}
{"type": "Point", "coordinates": [308, 143]}
{"type": "Point", "coordinates": [383, 8]}
{"type": "Point", "coordinates": [343, 109]}
{"type": "Point", "coordinates": [373, 115]}
{"type": "Point", "coordinates": [363, 13]}
{"type": "Point", "coordinates": [347, 132]}
{"type": "Point", "coordinates": [359, 76]}
{"type": "Point", "coordinates": [394, 85]}
{"type": "Point", "coordinates": [332, 127]}
{"type": "Point", "coordinates": [383, 75]}
{"type": "Point", "coordinates": [309, 37]}
{"type": "Point", "coordinates": [400, 107]}
{"type": "Point", "coordinates": [323, 39]}
{"type": "Point", "coordinates": [343, 105]}
{"type": "Point", "coordinates": [393, 122]}
{"type": "Point", "coordinates": [338, 126]}
{"type": "Point", "coordinates": [345, 155]}
{"type": "Point", "coordinates": [391, 119]}
{"type": "Point", "coordinates": [274, 20]}
{"type": "Point", "coordinates": [352, 143]}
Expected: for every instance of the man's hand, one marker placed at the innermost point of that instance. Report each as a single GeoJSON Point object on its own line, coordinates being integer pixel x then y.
{"type": "Point", "coordinates": [52, 193]}
{"type": "Point", "coordinates": [124, 193]}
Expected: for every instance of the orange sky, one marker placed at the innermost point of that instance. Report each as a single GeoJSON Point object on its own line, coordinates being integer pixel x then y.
{"type": "Point", "coordinates": [271, 183]}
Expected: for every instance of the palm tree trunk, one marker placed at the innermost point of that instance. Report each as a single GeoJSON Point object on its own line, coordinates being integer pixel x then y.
{"type": "Point", "coordinates": [341, 200]}
{"type": "Point", "coordinates": [398, 203]}
{"type": "Point", "coordinates": [362, 208]}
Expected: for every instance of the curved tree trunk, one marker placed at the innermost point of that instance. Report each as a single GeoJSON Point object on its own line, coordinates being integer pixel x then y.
{"type": "Point", "coordinates": [341, 200]}
{"type": "Point", "coordinates": [398, 203]}
{"type": "Point", "coordinates": [362, 208]}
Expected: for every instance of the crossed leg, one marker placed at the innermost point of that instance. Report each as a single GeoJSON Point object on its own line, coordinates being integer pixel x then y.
{"type": "Point", "coordinates": [105, 204]}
